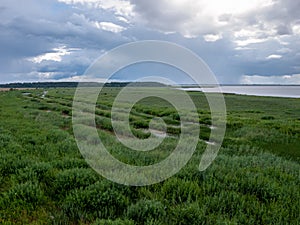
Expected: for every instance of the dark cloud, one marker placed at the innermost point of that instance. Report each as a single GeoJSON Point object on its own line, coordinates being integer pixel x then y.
{"type": "Point", "coordinates": [39, 27]}
{"type": "Point", "coordinates": [284, 29]}
{"type": "Point", "coordinates": [186, 17]}
{"type": "Point", "coordinates": [161, 15]}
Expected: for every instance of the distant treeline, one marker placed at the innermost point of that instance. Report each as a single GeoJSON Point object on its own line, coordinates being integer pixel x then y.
{"type": "Point", "coordinates": [75, 84]}
{"type": "Point", "coordinates": [39, 85]}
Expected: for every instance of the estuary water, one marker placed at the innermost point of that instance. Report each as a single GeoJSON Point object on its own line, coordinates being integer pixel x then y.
{"type": "Point", "coordinates": [272, 91]}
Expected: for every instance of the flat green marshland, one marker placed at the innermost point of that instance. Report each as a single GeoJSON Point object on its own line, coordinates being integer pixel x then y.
{"type": "Point", "coordinates": [44, 179]}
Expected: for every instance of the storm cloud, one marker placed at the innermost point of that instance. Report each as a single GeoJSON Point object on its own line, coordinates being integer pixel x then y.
{"type": "Point", "coordinates": [59, 39]}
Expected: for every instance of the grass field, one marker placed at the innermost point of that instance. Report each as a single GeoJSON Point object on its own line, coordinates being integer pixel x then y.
{"type": "Point", "coordinates": [255, 179]}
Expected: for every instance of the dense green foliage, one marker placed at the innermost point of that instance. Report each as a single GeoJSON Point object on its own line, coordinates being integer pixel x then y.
{"type": "Point", "coordinates": [45, 180]}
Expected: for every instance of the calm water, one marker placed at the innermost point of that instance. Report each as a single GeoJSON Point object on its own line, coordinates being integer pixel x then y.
{"type": "Point", "coordinates": [272, 91]}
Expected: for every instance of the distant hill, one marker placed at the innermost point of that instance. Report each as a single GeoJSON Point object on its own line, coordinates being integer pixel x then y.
{"type": "Point", "coordinates": [75, 84]}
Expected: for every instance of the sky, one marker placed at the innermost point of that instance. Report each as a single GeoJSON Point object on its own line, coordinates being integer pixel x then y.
{"type": "Point", "coordinates": [243, 42]}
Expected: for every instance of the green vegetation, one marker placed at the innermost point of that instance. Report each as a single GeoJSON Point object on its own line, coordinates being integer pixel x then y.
{"type": "Point", "coordinates": [45, 180]}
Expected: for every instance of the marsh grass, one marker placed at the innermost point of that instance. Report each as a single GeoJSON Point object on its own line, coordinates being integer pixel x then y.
{"type": "Point", "coordinates": [45, 180]}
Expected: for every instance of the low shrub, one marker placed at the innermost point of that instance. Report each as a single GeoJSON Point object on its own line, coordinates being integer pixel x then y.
{"type": "Point", "coordinates": [10, 163]}
{"type": "Point", "coordinates": [56, 136]}
{"type": "Point", "coordinates": [142, 124]}
{"type": "Point", "coordinates": [146, 211]}
{"type": "Point", "coordinates": [5, 139]}
{"type": "Point", "coordinates": [170, 121]}
{"type": "Point", "coordinates": [28, 195]}
{"type": "Point", "coordinates": [33, 172]}
{"type": "Point", "coordinates": [204, 133]}
{"type": "Point", "coordinates": [100, 200]}
{"type": "Point", "coordinates": [113, 222]}
{"type": "Point", "coordinates": [67, 112]}
{"type": "Point", "coordinates": [173, 130]}
{"type": "Point", "coordinates": [43, 107]}
{"type": "Point", "coordinates": [205, 120]}
{"type": "Point", "coordinates": [71, 179]}
{"type": "Point", "coordinates": [104, 123]}
{"type": "Point", "coordinates": [67, 146]}
{"type": "Point", "coordinates": [140, 134]}
{"type": "Point", "coordinates": [177, 191]}
{"type": "Point", "coordinates": [268, 118]}
{"type": "Point", "coordinates": [103, 113]}
{"type": "Point", "coordinates": [66, 163]}
{"type": "Point", "coordinates": [192, 213]}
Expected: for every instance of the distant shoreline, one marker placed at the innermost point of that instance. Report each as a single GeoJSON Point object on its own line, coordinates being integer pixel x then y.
{"type": "Point", "coordinates": [123, 84]}
{"type": "Point", "coordinates": [239, 85]}
{"type": "Point", "coordinates": [283, 91]}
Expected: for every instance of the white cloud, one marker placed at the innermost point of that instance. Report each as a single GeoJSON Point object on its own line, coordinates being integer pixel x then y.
{"type": "Point", "coordinates": [274, 57]}
{"type": "Point", "coordinates": [123, 19]}
{"type": "Point", "coordinates": [186, 34]}
{"type": "Point", "coordinates": [108, 26]}
{"type": "Point", "coordinates": [56, 55]}
{"type": "Point", "coordinates": [258, 31]}
{"type": "Point", "coordinates": [284, 50]}
{"type": "Point", "coordinates": [245, 33]}
{"type": "Point", "coordinates": [284, 79]}
{"type": "Point", "coordinates": [249, 41]}
{"type": "Point", "coordinates": [212, 37]}
{"type": "Point", "coordinates": [253, 34]}
{"type": "Point", "coordinates": [192, 18]}
{"type": "Point", "coordinates": [41, 76]}
{"type": "Point", "coordinates": [296, 29]}
{"type": "Point", "coordinates": [84, 78]}
{"type": "Point", "coordinates": [243, 48]}
{"type": "Point", "coordinates": [46, 75]}
{"type": "Point", "coordinates": [103, 25]}
{"type": "Point", "coordinates": [119, 7]}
